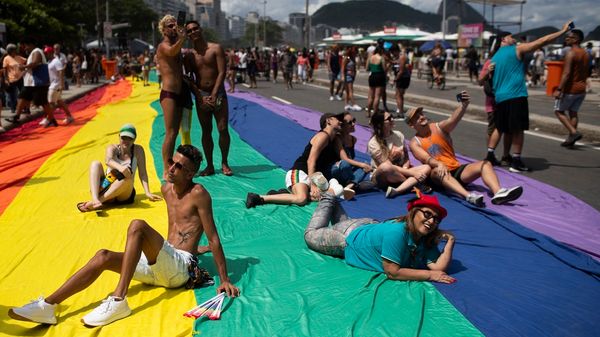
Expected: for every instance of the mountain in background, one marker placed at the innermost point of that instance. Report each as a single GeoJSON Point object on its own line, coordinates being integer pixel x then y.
{"type": "Point", "coordinates": [464, 12]}
{"type": "Point", "coordinates": [536, 33]}
{"type": "Point", "coordinates": [372, 15]}
{"type": "Point", "coordinates": [594, 34]}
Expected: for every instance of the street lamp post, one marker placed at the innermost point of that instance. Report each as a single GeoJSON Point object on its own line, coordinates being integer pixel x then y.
{"type": "Point", "coordinates": [444, 20]}
{"type": "Point", "coordinates": [265, 23]}
{"type": "Point", "coordinates": [307, 26]}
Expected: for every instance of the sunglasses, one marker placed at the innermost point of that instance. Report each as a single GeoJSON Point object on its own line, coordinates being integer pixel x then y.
{"type": "Point", "coordinates": [171, 26]}
{"type": "Point", "coordinates": [177, 165]}
{"type": "Point", "coordinates": [353, 121]}
{"type": "Point", "coordinates": [427, 215]}
{"type": "Point", "coordinates": [193, 29]}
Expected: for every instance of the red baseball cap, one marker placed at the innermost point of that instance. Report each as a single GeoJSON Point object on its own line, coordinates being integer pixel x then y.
{"type": "Point", "coordinates": [48, 49]}
{"type": "Point", "coordinates": [428, 201]}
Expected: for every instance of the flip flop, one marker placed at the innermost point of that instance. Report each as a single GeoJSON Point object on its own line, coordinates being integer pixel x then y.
{"type": "Point", "coordinates": [83, 209]}
{"type": "Point", "coordinates": [227, 171]}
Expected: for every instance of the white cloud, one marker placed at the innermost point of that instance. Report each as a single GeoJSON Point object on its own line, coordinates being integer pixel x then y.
{"type": "Point", "coordinates": [536, 13]}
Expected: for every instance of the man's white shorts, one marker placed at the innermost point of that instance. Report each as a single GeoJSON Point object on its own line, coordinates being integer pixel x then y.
{"type": "Point", "coordinates": [293, 177]}
{"type": "Point", "coordinates": [54, 95]}
{"type": "Point", "coordinates": [169, 271]}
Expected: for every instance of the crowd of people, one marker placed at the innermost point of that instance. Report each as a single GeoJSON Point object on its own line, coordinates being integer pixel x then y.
{"type": "Point", "coordinates": [326, 171]}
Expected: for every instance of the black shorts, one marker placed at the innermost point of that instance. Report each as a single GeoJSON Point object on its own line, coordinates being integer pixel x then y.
{"type": "Point", "coordinates": [377, 80]}
{"type": "Point", "coordinates": [37, 95]}
{"type": "Point", "coordinates": [403, 83]}
{"type": "Point", "coordinates": [491, 125]}
{"type": "Point", "coordinates": [457, 172]}
{"type": "Point", "coordinates": [512, 115]}
{"type": "Point", "coordinates": [127, 201]}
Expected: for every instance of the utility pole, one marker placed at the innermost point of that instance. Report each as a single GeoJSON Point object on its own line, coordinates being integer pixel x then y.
{"type": "Point", "coordinates": [307, 26]}
{"type": "Point", "coordinates": [444, 20]}
{"type": "Point", "coordinates": [264, 23]}
{"type": "Point", "coordinates": [98, 24]}
{"type": "Point", "coordinates": [107, 39]}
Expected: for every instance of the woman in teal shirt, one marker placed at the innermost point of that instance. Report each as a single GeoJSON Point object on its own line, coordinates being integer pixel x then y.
{"type": "Point", "coordinates": [404, 248]}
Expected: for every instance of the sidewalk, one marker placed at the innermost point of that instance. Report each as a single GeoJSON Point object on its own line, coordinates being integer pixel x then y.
{"type": "Point", "coordinates": [541, 112]}
{"type": "Point", "coordinates": [36, 112]}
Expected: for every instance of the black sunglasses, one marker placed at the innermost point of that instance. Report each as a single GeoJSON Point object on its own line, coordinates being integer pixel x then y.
{"type": "Point", "coordinates": [428, 215]}
{"type": "Point", "coordinates": [171, 26]}
{"type": "Point", "coordinates": [193, 29]}
{"type": "Point", "coordinates": [178, 165]}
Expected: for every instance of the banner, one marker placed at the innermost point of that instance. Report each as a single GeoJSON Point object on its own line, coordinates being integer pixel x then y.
{"type": "Point", "coordinates": [470, 34]}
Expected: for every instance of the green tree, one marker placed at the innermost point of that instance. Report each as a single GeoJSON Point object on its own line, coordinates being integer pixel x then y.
{"type": "Point", "coordinates": [59, 20]}
{"type": "Point", "coordinates": [274, 33]}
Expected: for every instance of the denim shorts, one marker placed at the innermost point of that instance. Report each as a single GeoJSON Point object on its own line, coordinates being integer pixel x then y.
{"type": "Point", "coordinates": [569, 102]}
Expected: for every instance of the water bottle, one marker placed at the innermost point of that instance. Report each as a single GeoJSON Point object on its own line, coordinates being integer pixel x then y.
{"type": "Point", "coordinates": [109, 179]}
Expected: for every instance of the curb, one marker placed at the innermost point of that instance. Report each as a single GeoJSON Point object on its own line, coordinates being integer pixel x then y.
{"type": "Point", "coordinates": [39, 113]}
{"type": "Point", "coordinates": [537, 122]}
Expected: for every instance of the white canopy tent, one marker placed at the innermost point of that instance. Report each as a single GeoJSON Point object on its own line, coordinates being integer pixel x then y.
{"type": "Point", "coordinates": [401, 33]}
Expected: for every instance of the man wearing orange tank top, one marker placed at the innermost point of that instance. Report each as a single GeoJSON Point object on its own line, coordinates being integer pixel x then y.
{"type": "Point", "coordinates": [571, 91]}
{"type": "Point", "coordinates": [433, 146]}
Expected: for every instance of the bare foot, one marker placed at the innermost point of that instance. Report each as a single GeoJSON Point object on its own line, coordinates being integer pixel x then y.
{"type": "Point", "coordinates": [203, 249]}
{"type": "Point", "coordinates": [226, 170]}
{"type": "Point", "coordinates": [209, 171]}
{"type": "Point", "coordinates": [89, 206]}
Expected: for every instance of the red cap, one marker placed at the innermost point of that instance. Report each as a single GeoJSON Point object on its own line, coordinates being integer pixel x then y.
{"type": "Point", "coordinates": [428, 201]}
{"type": "Point", "coordinates": [48, 49]}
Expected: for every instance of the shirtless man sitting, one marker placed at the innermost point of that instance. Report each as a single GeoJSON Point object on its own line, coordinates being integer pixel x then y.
{"type": "Point", "coordinates": [207, 60]}
{"type": "Point", "coordinates": [175, 95]}
{"type": "Point", "coordinates": [148, 257]}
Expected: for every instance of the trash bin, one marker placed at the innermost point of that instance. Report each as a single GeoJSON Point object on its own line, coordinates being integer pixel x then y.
{"type": "Point", "coordinates": [555, 69]}
{"type": "Point", "coordinates": [110, 68]}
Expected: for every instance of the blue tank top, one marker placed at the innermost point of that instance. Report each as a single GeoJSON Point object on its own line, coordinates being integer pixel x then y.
{"type": "Point", "coordinates": [509, 77]}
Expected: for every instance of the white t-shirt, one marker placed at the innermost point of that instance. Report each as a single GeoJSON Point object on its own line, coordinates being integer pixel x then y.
{"type": "Point", "coordinates": [28, 77]}
{"type": "Point", "coordinates": [54, 68]}
{"type": "Point", "coordinates": [394, 140]}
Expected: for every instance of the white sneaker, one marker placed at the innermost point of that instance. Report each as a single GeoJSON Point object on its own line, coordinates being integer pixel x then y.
{"type": "Point", "coordinates": [507, 195]}
{"type": "Point", "coordinates": [109, 311]}
{"type": "Point", "coordinates": [336, 187]}
{"type": "Point", "coordinates": [331, 98]}
{"type": "Point", "coordinates": [68, 120]}
{"type": "Point", "coordinates": [36, 311]}
{"type": "Point", "coordinates": [390, 192]}
{"type": "Point", "coordinates": [475, 199]}
{"type": "Point", "coordinates": [356, 107]}
{"type": "Point", "coordinates": [348, 193]}
{"type": "Point", "coordinates": [338, 97]}
{"type": "Point", "coordinates": [319, 180]}
{"type": "Point", "coordinates": [347, 107]}
{"type": "Point", "coordinates": [44, 122]}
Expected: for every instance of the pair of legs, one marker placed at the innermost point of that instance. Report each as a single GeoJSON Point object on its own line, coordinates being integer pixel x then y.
{"type": "Point", "coordinates": [400, 99]}
{"type": "Point", "coordinates": [349, 86]}
{"type": "Point", "coordinates": [172, 113]}
{"type": "Point", "coordinates": [287, 76]}
{"type": "Point", "coordinates": [231, 79]}
{"type": "Point", "coordinates": [331, 240]}
{"type": "Point", "coordinates": [389, 174]}
{"type": "Point", "coordinates": [347, 174]}
{"type": "Point", "coordinates": [333, 78]}
{"type": "Point", "coordinates": [300, 196]}
{"type": "Point", "coordinates": [205, 116]}
{"type": "Point", "coordinates": [569, 122]}
{"type": "Point", "coordinates": [375, 94]}
{"type": "Point", "coordinates": [119, 190]}
{"type": "Point", "coordinates": [140, 238]}
{"type": "Point", "coordinates": [471, 172]}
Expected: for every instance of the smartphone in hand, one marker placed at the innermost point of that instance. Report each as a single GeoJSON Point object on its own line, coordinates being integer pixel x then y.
{"type": "Point", "coordinates": [181, 15]}
{"type": "Point", "coordinates": [571, 25]}
{"type": "Point", "coordinates": [459, 97]}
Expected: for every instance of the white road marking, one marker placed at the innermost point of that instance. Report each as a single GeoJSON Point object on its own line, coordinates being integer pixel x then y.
{"type": "Point", "coordinates": [281, 100]}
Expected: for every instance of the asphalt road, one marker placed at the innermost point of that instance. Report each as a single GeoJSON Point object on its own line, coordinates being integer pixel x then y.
{"type": "Point", "coordinates": [576, 171]}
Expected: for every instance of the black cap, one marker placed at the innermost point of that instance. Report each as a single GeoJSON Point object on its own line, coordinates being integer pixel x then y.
{"type": "Point", "coordinates": [323, 120]}
{"type": "Point", "coordinates": [502, 35]}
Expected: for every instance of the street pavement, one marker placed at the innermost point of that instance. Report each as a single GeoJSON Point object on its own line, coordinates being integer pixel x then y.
{"type": "Point", "coordinates": [68, 96]}
{"type": "Point", "coordinates": [576, 171]}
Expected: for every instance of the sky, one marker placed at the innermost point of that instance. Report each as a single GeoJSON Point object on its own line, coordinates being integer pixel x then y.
{"type": "Point", "coordinates": [536, 13]}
